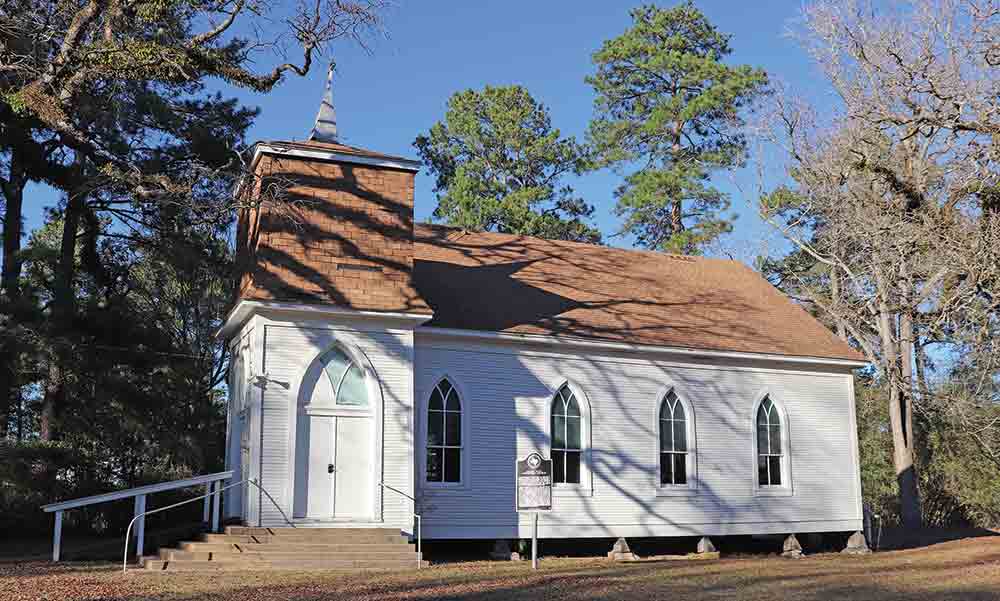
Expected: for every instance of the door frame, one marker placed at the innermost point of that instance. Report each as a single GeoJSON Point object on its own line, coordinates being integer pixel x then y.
{"type": "Point", "coordinates": [304, 385]}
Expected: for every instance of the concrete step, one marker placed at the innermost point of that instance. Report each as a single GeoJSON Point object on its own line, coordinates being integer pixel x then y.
{"type": "Point", "coordinates": [325, 539]}
{"type": "Point", "coordinates": [304, 547]}
{"type": "Point", "coordinates": [174, 554]}
{"type": "Point", "coordinates": [345, 565]}
{"type": "Point", "coordinates": [279, 549]}
{"type": "Point", "coordinates": [246, 548]}
{"type": "Point", "coordinates": [256, 531]}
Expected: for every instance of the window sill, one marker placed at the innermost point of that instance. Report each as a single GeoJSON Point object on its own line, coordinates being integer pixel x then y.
{"type": "Point", "coordinates": [435, 487]}
{"type": "Point", "coordinates": [679, 491]}
{"type": "Point", "coordinates": [775, 491]}
{"type": "Point", "coordinates": [571, 491]}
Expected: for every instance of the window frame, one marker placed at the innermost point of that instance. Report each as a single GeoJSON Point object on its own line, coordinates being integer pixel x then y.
{"type": "Point", "coordinates": [586, 485]}
{"type": "Point", "coordinates": [786, 488]}
{"type": "Point", "coordinates": [352, 362]}
{"type": "Point", "coordinates": [373, 387]}
{"type": "Point", "coordinates": [691, 486]}
{"type": "Point", "coordinates": [423, 423]}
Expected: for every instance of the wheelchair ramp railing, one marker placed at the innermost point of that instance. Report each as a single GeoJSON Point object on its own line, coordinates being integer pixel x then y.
{"type": "Point", "coordinates": [212, 500]}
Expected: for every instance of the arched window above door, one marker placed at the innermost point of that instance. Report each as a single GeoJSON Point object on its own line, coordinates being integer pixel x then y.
{"type": "Point", "coordinates": [347, 378]}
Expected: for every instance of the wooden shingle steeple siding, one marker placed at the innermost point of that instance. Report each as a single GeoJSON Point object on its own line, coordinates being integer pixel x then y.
{"type": "Point", "coordinates": [341, 233]}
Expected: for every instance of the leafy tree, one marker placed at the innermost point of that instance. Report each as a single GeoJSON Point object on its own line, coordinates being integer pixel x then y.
{"type": "Point", "coordinates": [500, 164]}
{"type": "Point", "coordinates": [888, 203]}
{"type": "Point", "coordinates": [116, 92]}
{"type": "Point", "coordinates": [959, 485]}
{"type": "Point", "coordinates": [117, 297]}
{"type": "Point", "coordinates": [669, 108]}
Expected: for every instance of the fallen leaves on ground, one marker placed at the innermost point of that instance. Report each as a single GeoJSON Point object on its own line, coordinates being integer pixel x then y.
{"type": "Point", "coordinates": [968, 569]}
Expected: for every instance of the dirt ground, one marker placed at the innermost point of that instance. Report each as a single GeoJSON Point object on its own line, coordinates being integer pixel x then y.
{"type": "Point", "coordinates": [967, 569]}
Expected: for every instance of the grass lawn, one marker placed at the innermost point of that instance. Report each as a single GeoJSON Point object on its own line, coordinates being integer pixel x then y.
{"type": "Point", "coordinates": [966, 569]}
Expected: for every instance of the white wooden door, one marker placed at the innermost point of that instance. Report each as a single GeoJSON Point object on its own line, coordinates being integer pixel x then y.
{"type": "Point", "coordinates": [352, 492]}
{"type": "Point", "coordinates": [333, 468]}
{"type": "Point", "coordinates": [321, 447]}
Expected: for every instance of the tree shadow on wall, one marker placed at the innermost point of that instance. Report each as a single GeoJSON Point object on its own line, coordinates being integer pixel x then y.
{"type": "Point", "coordinates": [293, 254]}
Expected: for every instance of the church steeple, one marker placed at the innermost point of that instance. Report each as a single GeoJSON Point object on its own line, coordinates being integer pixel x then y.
{"type": "Point", "coordinates": [325, 128]}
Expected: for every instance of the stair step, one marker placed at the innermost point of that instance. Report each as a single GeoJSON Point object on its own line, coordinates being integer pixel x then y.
{"type": "Point", "coordinates": [252, 548]}
{"type": "Point", "coordinates": [347, 565]}
{"type": "Point", "coordinates": [172, 554]}
{"type": "Point", "coordinates": [304, 547]}
{"type": "Point", "coordinates": [253, 531]}
{"type": "Point", "coordinates": [289, 547]}
{"type": "Point", "coordinates": [327, 539]}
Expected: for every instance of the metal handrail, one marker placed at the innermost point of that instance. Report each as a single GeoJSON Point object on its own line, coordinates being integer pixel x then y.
{"type": "Point", "coordinates": [415, 515]}
{"type": "Point", "coordinates": [128, 531]}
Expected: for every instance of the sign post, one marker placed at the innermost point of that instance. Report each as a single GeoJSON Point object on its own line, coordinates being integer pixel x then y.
{"type": "Point", "coordinates": [534, 493]}
{"type": "Point", "coordinates": [534, 544]}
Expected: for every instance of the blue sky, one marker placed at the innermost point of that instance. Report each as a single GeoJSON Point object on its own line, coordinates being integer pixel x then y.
{"type": "Point", "coordinates": [435, 48]}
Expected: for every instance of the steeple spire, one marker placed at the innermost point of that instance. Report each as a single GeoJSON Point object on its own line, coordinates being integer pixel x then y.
{"type": "Point", "coordinates": [325, 128]}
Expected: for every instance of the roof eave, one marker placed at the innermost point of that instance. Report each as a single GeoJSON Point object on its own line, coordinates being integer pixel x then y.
{"type": "Point", "coordinates": [259, 149]}
{"type": "Point", "coordinates": [326, 154]}
{"type": "Point", "coordinates": [246, 308]}
{"type": "Point", "coordinates": [595, 343]}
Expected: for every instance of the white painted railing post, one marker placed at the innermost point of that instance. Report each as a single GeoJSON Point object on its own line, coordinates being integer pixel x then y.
{"type": "Point", "coordinates": [140, 525]}
{"type": "Point", "coordinates": [216, 498]}
{"type": "Point", "coordinates": [208, 503]}
{"type": "Point", "coordinates": [139, 494]}
{"type": "Point", "coordinates": [57, 536]}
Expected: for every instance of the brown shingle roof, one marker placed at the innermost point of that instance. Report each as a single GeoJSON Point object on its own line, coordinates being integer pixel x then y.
{"type": "Point", "coordinates": [517, 284]}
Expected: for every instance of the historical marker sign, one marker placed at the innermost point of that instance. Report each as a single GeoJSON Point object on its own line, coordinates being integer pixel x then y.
{"type": "Point", "coordinates": [534, 483]}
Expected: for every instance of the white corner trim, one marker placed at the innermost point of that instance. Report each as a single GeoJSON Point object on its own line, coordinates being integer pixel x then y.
{"type": "Point", "coordinates": [568, 341]}
{"type": "Point", "coordinates": [245, 309]}
{"type": "Point", "coordinates": [262, 148]}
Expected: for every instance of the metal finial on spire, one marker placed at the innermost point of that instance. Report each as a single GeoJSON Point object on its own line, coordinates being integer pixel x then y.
{"type": "Point", "coordinates": [325, 128]}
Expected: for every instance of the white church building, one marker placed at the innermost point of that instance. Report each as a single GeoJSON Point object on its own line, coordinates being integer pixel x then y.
{"type": "Point", "coordinates": [382, 368]}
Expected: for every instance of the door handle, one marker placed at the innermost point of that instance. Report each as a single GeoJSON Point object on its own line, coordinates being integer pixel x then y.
{"type": "Point", "coordinates": [330, 469]}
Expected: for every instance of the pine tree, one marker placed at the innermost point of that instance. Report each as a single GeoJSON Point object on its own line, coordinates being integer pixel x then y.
{"type": "Point", "coordinates": [669, 109]}
{"type": "Point", "coordinates": [499, 165]}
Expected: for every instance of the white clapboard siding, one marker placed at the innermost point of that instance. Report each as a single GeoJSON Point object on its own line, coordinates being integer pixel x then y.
{"type": "Point", "coordinates": [289, 350]}
{"type": "Point", "coordinates": [241, 362]}
{"type": "Point", "coordinates": [507, 391]}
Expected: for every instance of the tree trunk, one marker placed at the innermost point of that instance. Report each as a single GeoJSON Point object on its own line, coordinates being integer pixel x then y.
{"type": "Point", "coordinates": [676, 205]}
{"type": "Point", "coordinates": [920, 360]}
{"type": "Point", "coordinates": [10, 288]}
{"type": "Point", "coordinates": [835, 297]}
{"type": "Point", "coordinates": [902, 450]}
{"type": "Point", "coordinates": [903, 456]}
{"type": "Point", "coordinates": [63, 311]}
{"type": "Point", "coordinates": [676, 217]}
